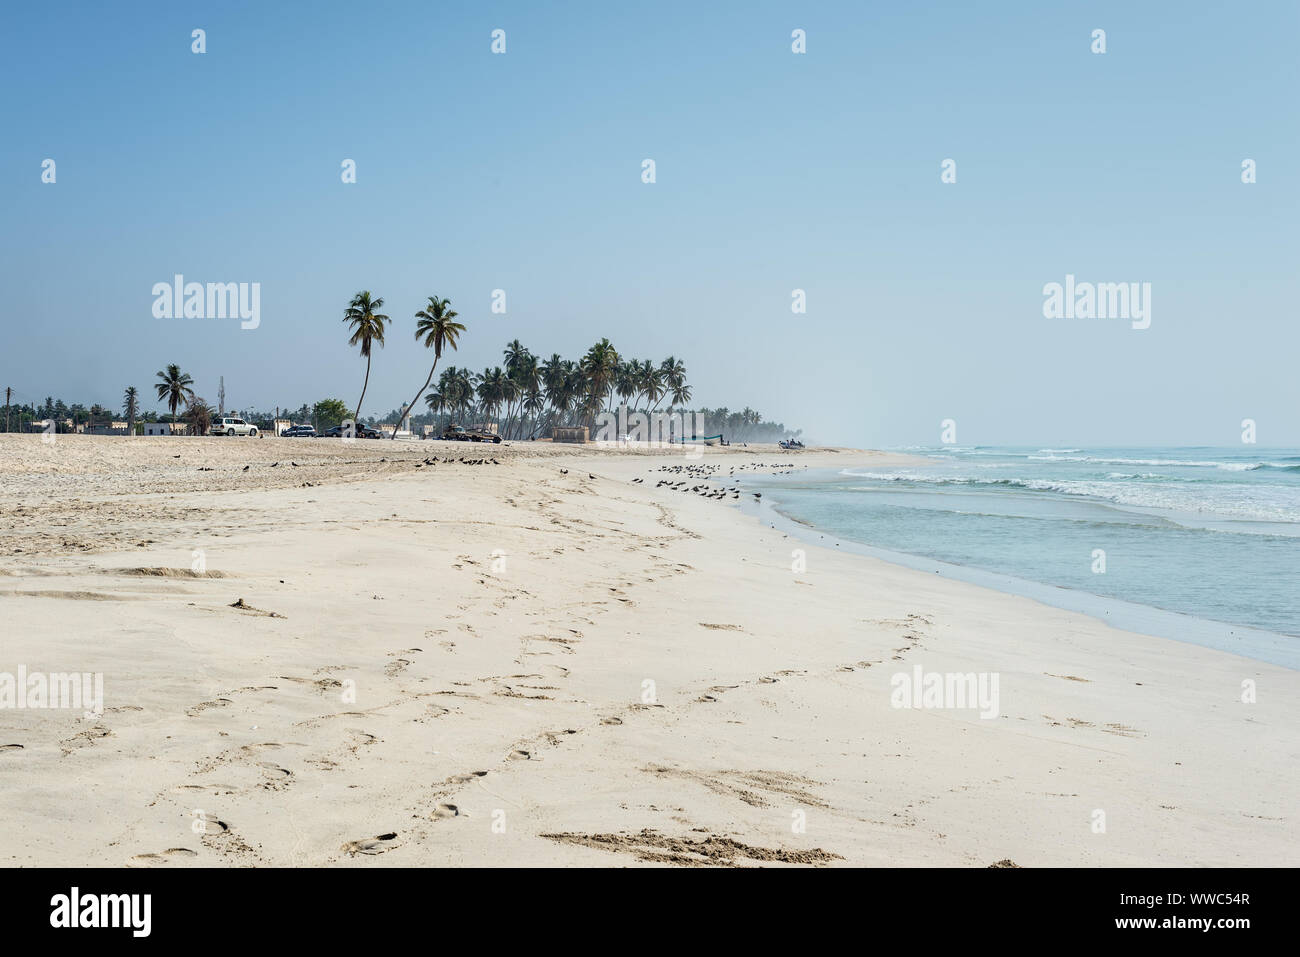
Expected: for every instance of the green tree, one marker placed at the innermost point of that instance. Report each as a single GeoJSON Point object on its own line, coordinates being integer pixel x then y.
{"type": "Point", "coordinates": [367, 324]}
{"type": "Point", "coordinates": [329, 412]}
{"type": "Point", "coordinates": [199, 415]}
{"type": "Point", "coordinates": [130, 408]}
{"type": "Point", "coordinates": [176, 387]}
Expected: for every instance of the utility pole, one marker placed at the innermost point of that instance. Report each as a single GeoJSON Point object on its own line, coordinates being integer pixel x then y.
{"type": "Point", "coordinates": [8, 393]}
{"type": "Point", "coordinates": [221, 397]}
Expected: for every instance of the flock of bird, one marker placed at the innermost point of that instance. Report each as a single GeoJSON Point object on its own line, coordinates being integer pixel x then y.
{"type": "Point", "coordinates": [429, 461]}
{"type": "Point", "coordinates": [701, 474]}
{"type": "Point", "coordinates": [449, 460]}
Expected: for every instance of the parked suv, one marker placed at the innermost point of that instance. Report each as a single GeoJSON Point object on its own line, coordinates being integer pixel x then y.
{"type": "Point", "coordinates": [230, 425]}
{"type": "Point", "coordinates": [298, 432]}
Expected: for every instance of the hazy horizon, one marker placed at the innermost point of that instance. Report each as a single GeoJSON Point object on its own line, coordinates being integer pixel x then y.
{"type": "Point", "coordinates": [775, 172]}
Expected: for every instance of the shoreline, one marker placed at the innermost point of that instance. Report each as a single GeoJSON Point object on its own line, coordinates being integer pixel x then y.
{"type": "Point", "coordinates": [1277, 648]}
{"type": "Point", "coordinates": [501, 715]}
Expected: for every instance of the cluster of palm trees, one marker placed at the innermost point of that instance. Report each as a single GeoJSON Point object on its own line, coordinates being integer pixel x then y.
{"type": "Point", "coordinates": [529, 396]}
{"type": "Point", "coordinates": [526, 396]}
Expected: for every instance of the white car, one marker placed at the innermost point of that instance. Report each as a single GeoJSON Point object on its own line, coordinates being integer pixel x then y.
{"type": "Point", "coordinates": [229, 425]}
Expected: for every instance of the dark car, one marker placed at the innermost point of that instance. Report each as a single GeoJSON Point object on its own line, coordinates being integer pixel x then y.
{"type": "Point", "coordinates": [298, 432]}
{"type": "Point", "coordinates": [458, 434]}
{"type": "Point", "coordinates": [362, 432]}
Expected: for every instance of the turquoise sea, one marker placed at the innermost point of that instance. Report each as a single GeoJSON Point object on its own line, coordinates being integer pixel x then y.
{"type": "Point", "coordinates": [1209, 535]}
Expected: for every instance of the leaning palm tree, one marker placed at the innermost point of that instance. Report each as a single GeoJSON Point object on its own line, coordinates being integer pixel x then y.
{"type": "Point", "coordinates": [176, 387]}
{"type": "Point", "coordinates": [681, 394]}
{"type": "Point", "coordinates": [130, 408]}
{"type": "Point", "coordinates": [367, 324]}
{"type": "Point", "coordinates": [436, 328]}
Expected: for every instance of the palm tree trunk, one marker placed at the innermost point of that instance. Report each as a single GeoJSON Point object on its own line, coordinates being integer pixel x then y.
{"type": "Point", "coordinates": [407, 410]}
{"type": "Point", "coordinates": [356, 416]}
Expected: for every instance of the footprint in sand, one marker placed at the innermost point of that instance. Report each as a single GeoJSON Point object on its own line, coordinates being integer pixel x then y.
{"type": "Point", "coordinates": [84, 739]}
{"type": "Point", "coordinates": [519, 756]}
{"type": "Point", "coordinates": [210, 824]}
{"type": "Point", "coordinates": [254, 748]}
{"type": "Point", "coordinates": [396, 667]}
{"type": "Point", "coordinates": [370, 845]}
{"type": "Point", "coordinates": [466, 778]}
{"type": "Point", "coordinates": [10, 747]}
{"type": "Point", "coordinates": [445, 811]}
{"type": "Point", "coordinates": [173, 855]}
{"type": "Point", "coordinates": [205, 705]}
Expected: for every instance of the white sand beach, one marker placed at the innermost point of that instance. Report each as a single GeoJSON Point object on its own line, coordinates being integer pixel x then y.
{"type": "Point", "coordinates": [507, 664]}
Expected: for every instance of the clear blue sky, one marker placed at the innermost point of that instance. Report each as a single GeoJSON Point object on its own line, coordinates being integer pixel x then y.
{"type": "Point", "coordinates": [775, 171]}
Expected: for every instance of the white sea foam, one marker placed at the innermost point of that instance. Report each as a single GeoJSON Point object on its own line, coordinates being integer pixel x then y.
{"type": "Point", "coordinates": [1254, 502]}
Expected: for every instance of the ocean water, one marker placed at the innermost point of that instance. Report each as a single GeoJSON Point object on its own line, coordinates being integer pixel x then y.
{"type": "Point", "coordinates": [1211, 533]}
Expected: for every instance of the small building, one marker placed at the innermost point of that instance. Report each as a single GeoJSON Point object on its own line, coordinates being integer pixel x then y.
{"type": "Point", "coordinates": [564, 433]}
{"type": "Point", "coordinates": [50, 426]}
{"type": "Point", "coordinates": [279, 425]}
{"type": "Point", "coordinates": [157, 428]}
{"type": "Point", "coordinates": [106, 428]}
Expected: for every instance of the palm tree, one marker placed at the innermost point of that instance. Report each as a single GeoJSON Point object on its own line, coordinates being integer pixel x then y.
{"type": "Point", "coordinates": [367, 328]}
{"type": "Point", "coordinates": [130, 408]}
{"type": "Point", "coordinates": [599, 366]}
{"type": "Point", "coordinates": [575, 385]}
{"type": "Point", "coordinates": [435, 326]}
{"type": "Point", "coordinates": [176, 387]}
{"type": "Point", "coordinates": [534, 404]}
{"type": "Point", "coordinates": [625, 380]}
{"type": "Point", "coordinates": [651, 383]}
{"type": "Point", "coordinates": [672, 373]}
{"type": "Point", "coordinates": [456, 386]}
{"type": "Point", "coordinates": [524, 374]}
{"type": "Point", "coordinates": [493, 390]}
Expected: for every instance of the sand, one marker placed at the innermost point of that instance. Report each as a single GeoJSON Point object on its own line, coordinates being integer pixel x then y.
{"type": "Point", "coordinates": [358, 662]}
